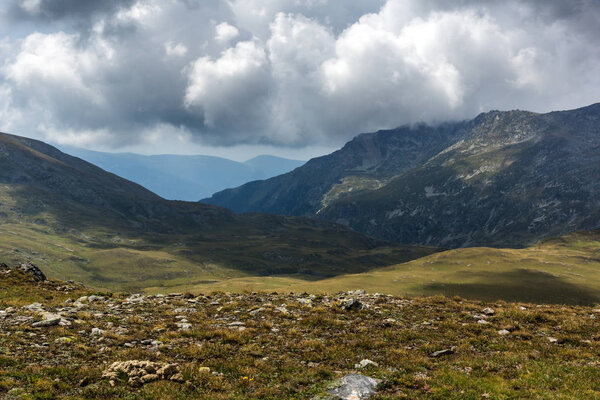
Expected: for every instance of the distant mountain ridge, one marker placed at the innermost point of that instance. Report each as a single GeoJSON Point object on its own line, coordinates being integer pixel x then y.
{"type": "Point", "coordinates": [502, 179]}
{"type": "Point", "coordinates": [185, 177]}
{"type": "Point", "coordinates": [77, 221]}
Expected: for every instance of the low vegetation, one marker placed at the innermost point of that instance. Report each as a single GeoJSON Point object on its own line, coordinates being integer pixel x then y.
{"type": "Point", "coordinates": [289, 346]}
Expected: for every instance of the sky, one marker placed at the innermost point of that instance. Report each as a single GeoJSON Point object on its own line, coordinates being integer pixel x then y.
{"type": "Point", "coordinates": [238, 78]}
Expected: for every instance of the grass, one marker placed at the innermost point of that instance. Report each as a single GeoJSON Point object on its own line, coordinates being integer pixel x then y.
{"type": "Point", "coordinates": [551, 351]}
{"type": "Point", "coordinates": [565, 270]}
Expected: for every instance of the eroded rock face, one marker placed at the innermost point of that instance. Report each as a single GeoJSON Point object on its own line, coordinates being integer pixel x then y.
{"type": "Point", "coordinates": [32, 270]}
{"type": "Point", "coordinates": [141, 372]}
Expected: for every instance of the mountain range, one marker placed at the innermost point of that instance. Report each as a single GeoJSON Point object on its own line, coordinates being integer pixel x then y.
{"type": "Point", "coordinates": [506, 178]}
{"type": "Point", "coordinates": [184, 177]}
{"type": "Point", "coordinates": [77, 221]}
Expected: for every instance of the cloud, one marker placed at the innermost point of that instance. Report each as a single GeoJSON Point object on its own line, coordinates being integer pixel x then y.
{"type": "Point", "coordinates": [283, 72]}
{"type": "Point", "coordinates": [225, 32]}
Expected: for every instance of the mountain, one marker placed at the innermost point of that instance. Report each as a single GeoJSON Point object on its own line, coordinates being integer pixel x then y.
{"type": "Point", "coordinates": [77, 221]}
{"type": "Point", "coordinates": [502, 179]}
{"type": "Point", "coordinates": [181, 177]}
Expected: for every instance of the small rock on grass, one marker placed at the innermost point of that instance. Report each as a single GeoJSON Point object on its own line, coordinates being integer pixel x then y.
{"type": "Point", "coordinates": [351, 387]}
{"type": "Point", "coordinates": [365, 363]}
{"type": "Point", "coordinates": [443, 352]}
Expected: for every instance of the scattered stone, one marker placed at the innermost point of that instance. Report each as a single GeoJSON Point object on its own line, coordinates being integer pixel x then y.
{"type": "Point", "coordinates": [184, 325]}
{"type": "Point", "coordinates": [46, 322]}
{"type": "Point", "coordinates": [503, 332]}
{"type": "Point", "coordinates": [32, 270]}
{"type": "Point", "coordinates": [483, 322]}
{"type": "Point", "coordinates": [351, 387]}
{"type": "Point", "coordinates": [552, 339]}
{"type": "Point", "coordinates": [351, 304]}
{"type": "Point", "coordinates": [488, 311]}
{"type": "Point", "coordinates": [365, 363]}
{"type": "Point", "coordinates": [142, 372]}
{"type": "Point", "coordinates": [443, 352]}
{"type": "Point", "coordinates": [34, 306]}
{"type": "Point", "coordinates": [97, 332]}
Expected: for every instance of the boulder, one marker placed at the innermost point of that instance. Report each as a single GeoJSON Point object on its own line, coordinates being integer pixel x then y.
{"type": "Point", "coordinates": [351, 387]}
{"type": "Point", "coordinates": [32, 270]}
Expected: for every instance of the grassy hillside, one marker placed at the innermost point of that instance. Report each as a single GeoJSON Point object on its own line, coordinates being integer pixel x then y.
{"type": "Point", "coordinates": [286, 346]}
{"type": "Point", "coordinates": [564, 270]}
{"type": "Point", "coordinates": [76, 221]}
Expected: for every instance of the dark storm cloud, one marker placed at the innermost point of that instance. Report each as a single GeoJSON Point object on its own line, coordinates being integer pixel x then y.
{"type": "Point", "coordinates": [53, 10]}
{"type": "Point", "coordinates": [285, 72]}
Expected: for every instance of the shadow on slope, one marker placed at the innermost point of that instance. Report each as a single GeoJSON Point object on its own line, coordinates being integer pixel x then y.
{"type": "Point", "coordinates": [522, 285]}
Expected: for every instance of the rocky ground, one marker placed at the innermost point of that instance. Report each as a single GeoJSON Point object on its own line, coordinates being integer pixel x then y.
{"type": "Point", "coordinates": [59, 340]}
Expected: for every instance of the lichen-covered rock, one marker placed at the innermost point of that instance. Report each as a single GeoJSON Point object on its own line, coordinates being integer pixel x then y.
{"type": "Point", "coordinates": [141, 372]}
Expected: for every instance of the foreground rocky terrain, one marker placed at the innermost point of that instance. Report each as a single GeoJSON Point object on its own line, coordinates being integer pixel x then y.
{"type": "Point", "coordinates": [62, 340]}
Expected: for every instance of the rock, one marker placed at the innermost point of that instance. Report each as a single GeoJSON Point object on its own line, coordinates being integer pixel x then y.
{"type": "Point", "coordinates": [483, 322]}
{"type": "Point", "coordinates": [82, 299]}
{"type": "Point", "coordinates": [93, 298]}
{"type": "Point", "coordinates": [97, 332]}
{"type": "Point", "coordinates": [142, 372]}
{"type": "Point", "coordinates": [503, 332]}
{"type": "Point", "coordinates": [46, 322]}
{"type": "Point", "coordinates": [34, 306]}
{"type": "Point", "coordinates": [352, 387]}
{"type": "Point", "coordinates": [32, 270]}
{"type": "Point", "coordinates": [135, 298]}
{"type": "Point", "coordinates": [365, 363]}
{"type": "Point", "coordinates": [351, 304]}
{"type": "Point", "coordinates": [552, 339]}
{"type": "Point", "coordinates": [488, 311]}
{"type": "Point", "coordinates": [443, 352]}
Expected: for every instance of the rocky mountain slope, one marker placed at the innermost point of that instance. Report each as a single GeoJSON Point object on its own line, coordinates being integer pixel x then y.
{"type": "Point", "coordinates": [61, 340]}
{"type": "Point", "coordinates": [366, 162]}
{"type": "Point", "coordinates": [182, 177]}
{"type": "Point", "coordinates": [76, 220]}
{"type": "Point", "coordinates": [501, 179]}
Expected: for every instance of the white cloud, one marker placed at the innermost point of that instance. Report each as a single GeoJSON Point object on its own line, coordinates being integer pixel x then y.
{"type": "Point", "coordinates": [48, 64]}
{"type": "Point", "coordinates": [225, 32]}
{"type": "Point", "coordinates": [288, 72]}
{"type": "Point", "coordinates": [175, 49]}
{"type": "Point", "coordinates": [233, 84]}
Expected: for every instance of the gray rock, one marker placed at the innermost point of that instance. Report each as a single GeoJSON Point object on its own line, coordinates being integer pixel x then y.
{"type": "Point", "coordinates": [353, 387]}
{"type": "Point", "coordinates": [444, 352]}
{"type": "Point", "coordinates": [97, 332]}
{"type": "Point", "coordinates": [365, 363]}
{"type": "Point", "coordinates": [351, 304]}
{"type": "Point", "coordinates": [32, 270]}
{"type": "Point", "coordinates": [46, 322]}
{"type": "Point", "coordinates": [488, 311]}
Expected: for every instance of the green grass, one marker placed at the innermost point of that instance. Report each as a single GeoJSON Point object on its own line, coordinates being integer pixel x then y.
{"type": "Point", "coordinates": [311, 346]}
{"type": "Point", "coordinates": [565, 270]}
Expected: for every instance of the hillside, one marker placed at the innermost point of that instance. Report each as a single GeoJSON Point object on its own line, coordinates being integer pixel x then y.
{"type": "Point", "coordinates": [79, 222]}
{"type": "Point", "coordinates": [58, 340]}
{"type": "Point", "coordinates": [182, 177]}
{"type": "Point", "coordinates": [502, 179]}
{"type": "Point", "coordinates": [560, 271]}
